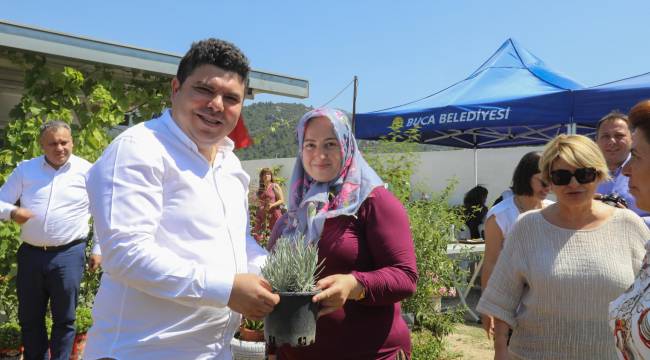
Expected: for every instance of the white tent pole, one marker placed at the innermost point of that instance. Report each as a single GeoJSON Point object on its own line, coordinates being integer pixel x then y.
{"type": "Point", "coordinates": [571, 129]}
{"type": "Point", "coordinates": [475, 166]}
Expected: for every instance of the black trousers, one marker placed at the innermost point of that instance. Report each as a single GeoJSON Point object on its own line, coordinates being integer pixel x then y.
{"type": "Point", "coordinates": [53, 277]}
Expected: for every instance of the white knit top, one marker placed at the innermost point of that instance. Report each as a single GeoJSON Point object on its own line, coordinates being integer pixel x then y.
{"type": "Point", "coordinates": [553, 285]}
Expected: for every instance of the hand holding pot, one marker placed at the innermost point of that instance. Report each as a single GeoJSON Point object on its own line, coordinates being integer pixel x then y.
{"type": "Point", "coordinates": [336, 290]}
{"type": "Point", "coordinates": [251, 296]}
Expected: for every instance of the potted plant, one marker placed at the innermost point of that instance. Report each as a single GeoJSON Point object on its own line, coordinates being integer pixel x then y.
{"type": "Point", "coordinates": [292, 269]}
{"type": "Point", "coordinates": [10, 342]}
{"type": "Point", "coordinates": [251, 330]}
{"type": "Point", "coordinates": [440, 290]}
{"type": "Point", "coordinates": [248, 343]}
{"type": "Point", "coordinates": [83, 323]}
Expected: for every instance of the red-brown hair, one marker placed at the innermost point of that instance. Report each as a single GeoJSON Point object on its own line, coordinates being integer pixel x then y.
{"type": "Point", "coordinates": [640, 118]}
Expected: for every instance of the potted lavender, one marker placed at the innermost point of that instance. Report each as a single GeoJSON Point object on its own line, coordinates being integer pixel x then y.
{"type": "Point", "coordinates": [292, 269]}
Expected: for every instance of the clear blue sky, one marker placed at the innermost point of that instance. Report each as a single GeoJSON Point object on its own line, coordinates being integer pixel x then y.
{"type": "Point", "coordinates": [400, 51]}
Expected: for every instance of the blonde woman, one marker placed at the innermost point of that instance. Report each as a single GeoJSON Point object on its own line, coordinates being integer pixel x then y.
{"type": "Point", "coordinates": [562, 265]}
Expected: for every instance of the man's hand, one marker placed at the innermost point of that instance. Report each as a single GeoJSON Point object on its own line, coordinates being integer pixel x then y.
{"type": "Point", "coordinates": [251, 296]}
{"type": "Point", "coordinates": [21, 215]}
{"type": "Point", "coordinates": [337, 289]}
{"type": "Point", "coordinates": [94, 261]}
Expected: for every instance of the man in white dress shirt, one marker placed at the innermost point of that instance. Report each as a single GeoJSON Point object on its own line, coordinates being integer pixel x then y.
{"type": "Point", "coordinates": [54, 216]}
{"type": "Point", "coordinates": [169, 199]}
{"type": "Point", "coordinates": [614, 139]}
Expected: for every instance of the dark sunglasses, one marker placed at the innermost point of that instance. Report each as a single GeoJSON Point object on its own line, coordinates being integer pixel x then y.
{"type": "Point", "coordinates": [583, 175]}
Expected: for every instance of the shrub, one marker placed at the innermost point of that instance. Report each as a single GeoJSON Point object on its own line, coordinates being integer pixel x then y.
{"type": "Point", "coordinates": [10, 336]}
{"type": "Point", "coordinates": [425, 346]}
{"type": "Point", "coordinates": [431, 219]}
{"type": "Point", "coordinates": [84, 319]}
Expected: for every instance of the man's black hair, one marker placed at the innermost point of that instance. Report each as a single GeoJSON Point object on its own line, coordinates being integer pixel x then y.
{"type": "Point", "coordinates": [219, 53]}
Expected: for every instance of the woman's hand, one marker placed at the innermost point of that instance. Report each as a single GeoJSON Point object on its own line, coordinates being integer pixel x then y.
{"type": "Point", "coordinates": [336, 290]}
{"type": "Point", "coordinates": [488, 325]}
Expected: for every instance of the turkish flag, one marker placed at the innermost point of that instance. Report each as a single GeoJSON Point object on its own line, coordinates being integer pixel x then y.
{"type": "Point", "coordinates": [240, 135]}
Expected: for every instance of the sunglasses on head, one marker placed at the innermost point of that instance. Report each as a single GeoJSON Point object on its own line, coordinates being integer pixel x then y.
{"type": "Point", "coordinates": [583, 175]}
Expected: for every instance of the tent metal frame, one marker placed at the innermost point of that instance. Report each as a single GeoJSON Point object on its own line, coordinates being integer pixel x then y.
{"type": "Point", "coordinates": [531, 134]}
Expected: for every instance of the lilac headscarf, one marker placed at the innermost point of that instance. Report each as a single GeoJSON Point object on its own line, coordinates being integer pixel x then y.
{"type": "Point", "coordinates": [309, 200]}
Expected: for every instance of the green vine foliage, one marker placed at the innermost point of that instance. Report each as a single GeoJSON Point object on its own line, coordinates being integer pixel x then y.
{"type": "Point", "coordinates": [93, 99]}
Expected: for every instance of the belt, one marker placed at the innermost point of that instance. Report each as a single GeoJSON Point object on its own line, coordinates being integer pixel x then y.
{"type": "Point", "coordinates": [56, 248]}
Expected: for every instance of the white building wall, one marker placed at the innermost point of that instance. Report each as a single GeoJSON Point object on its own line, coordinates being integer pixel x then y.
{"type": "Point", "coordinates": [495, 168]}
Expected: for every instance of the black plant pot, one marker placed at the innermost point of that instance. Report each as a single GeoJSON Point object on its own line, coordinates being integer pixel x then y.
{"type": "Point", "coordinates": [292, 321]}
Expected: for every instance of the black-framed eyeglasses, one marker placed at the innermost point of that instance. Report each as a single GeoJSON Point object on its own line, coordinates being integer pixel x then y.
{"type": "Point", "coordinates": [583, 175]}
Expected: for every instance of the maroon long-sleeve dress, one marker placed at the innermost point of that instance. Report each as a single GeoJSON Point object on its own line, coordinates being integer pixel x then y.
{"type": "Point", "coordinates": [377, 248]}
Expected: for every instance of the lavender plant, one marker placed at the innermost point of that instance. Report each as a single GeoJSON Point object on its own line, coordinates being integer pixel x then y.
{"type": "Point", "coordinates": [293, 265]}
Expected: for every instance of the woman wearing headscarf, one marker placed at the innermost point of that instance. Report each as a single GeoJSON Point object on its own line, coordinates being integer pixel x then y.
{"type": "Point", "coordinates": [337, 201]}
{"type": "Point", "coordinates": [562, 265]}
{"type": "Point", "coordinates": [629, 314]}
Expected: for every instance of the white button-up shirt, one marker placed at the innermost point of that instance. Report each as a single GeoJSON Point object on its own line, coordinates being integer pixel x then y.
{"type": "Point", "coordinates": [57, 198]}
{"type": "Point", "coordinates": [174, 232]}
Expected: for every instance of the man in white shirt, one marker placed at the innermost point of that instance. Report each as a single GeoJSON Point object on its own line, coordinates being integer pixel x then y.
{"type": "Point", "coordinates": [54, 216]}
{"type": "Point", "coordinates": [169, 199]}
{"type": "Point", "coordinates": [614, 139]}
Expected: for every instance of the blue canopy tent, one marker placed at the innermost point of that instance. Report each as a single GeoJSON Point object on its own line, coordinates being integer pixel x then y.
{"type": "Point", "coordinates": [512, 99]}
{"type": "Point", "coordinates": [593, 103]}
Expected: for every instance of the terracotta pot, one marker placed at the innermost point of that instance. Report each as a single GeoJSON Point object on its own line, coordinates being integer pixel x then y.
{"type": "Point", "coordinates": [251, 335]}
{"type": "Point", "coordinates": [11, 353]}
{"type": "Point", "coordinates": [78, 346]}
